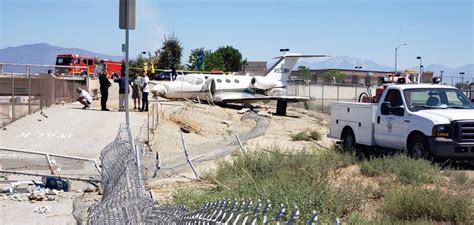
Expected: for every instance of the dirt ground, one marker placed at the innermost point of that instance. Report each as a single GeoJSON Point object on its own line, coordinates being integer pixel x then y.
{"type": "Point", "coordinates": [215, 129]}
{"type": "Point", "coordinates": [211, 138]}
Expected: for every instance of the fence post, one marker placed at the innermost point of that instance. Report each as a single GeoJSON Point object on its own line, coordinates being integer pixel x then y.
{"type": "Point", "coordinates": [322, 98]}
{"type": "Point", "coordinates": [309, 91]}
{"type": "Point", "coordinates": [29, 90]}
{"type": "Point", "coordinates": [187, 157]}
{"type": "Point", "coordinates": [153, 117]}
{"type": "Point", "coordinates": [13, 97]}
{"type": "Point", "coordinates": [355, 93]}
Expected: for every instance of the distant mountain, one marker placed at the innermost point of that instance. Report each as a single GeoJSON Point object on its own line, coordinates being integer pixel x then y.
{"type": "Point", "coordinates": [42, 53]}
{"type": "Point", "coordinates": [344, 62]}
{"type": "Point", "coordinates": [450, 72]}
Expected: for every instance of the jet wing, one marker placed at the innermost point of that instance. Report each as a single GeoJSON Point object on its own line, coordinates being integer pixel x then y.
{"type": "Point", "coordinates": [236, 97]}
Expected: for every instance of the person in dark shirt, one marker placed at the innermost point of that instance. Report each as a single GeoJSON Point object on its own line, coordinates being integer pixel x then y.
{"type": "Point", "coordinates": [104, 90]}
{"type": "Point", "coordinates": [173, 73]}
{"type": "Point", "coordinates": [122, 85]}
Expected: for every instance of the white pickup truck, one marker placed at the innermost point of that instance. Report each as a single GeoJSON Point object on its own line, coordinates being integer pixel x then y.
{"type": "Point", "coordinates": [428, 121]}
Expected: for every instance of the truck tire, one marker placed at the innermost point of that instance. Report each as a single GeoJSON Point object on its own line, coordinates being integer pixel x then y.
{"type": "Point", "coordinates": [348, 141]}
{"type": "Point", "coordinates": [418, 148]}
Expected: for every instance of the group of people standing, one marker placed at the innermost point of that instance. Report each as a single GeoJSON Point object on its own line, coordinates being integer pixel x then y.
{"type": "Point", "coordinates": [139, 87]}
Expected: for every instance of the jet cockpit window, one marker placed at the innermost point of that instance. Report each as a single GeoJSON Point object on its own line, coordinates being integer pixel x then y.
{"type": "Point", "coordinates": [189, 79]}
{"type": "Point", "coordinates": [180, 78]}
{"type": "Point", "coordinates": [199, 81]}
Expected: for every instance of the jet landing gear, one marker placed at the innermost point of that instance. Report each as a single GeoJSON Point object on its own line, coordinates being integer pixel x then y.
{"type": "Point", "coordinates": [281, 107]}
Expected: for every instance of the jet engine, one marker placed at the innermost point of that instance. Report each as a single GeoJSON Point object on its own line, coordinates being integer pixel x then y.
{"type": "Point", "coordinates": [209, 87]}
{"type": "Point", "coordinates": [264, 83]}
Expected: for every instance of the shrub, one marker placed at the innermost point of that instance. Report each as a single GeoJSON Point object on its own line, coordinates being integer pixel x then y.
{"type": "Point", "coordinates": [407, 170]}
{"type": "Point", "coordinates": [299, 178]}
{"type": "Point", "coordinates": [306, 135]}
{"type": "Point", "coordinates": [459, 177]}
{"type": "Point", "coordinates": [414, 203]}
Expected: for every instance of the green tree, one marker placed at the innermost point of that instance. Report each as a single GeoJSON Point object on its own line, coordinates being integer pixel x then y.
{"type": "Point", "coordinates": [136, 65]}
{"type": "Point", "coordinates": [193, 59]}
{"type": "Point", "coordinates": [170, 53]}
{"type": "Point", "coordinates": [232, 58]}
{"type": "Point", "coordinates": [331, 74]}
{"type": "Point", "coordinates": [213, 61]}
{"type": "Point", "coordinates": [304, 73]}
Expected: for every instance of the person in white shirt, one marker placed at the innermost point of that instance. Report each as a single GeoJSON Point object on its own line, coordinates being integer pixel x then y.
{"type": "Point", "coordinates": [84, 98]}
{"type": "Point", "coordinates": [145, 91]}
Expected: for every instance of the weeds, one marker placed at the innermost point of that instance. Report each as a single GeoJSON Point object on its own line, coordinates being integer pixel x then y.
{"type": "Point", "coordinates": [306, 135]}
{"type": "Point", "coordinates": [305, 179]}
{"type": "Point", "coordinates": [300, 178]}
{"type": "Point", "coordinates": [407, 170]}
{"type": "Point", "coordinates": [414, 203]}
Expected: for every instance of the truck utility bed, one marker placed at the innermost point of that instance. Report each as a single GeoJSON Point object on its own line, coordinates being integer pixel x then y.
{"type": "Point", "coordinates": [355, 115]}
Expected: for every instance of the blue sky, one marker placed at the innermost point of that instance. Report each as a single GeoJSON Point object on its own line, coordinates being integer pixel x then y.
{"type": "Point", "coordinates": [441, 31]}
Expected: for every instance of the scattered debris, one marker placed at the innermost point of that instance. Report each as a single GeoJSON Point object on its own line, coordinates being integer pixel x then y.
{"type": "Point", "coordinates": [42, 209]}
{"type": "Point", "coordinates": [36, 196]}
{"type": "Point", "coordinates": [243, 110]}
{"type": "Point", "coordinates": [57, 183]}
{"type": "Point", "coordinates": [185, 129]}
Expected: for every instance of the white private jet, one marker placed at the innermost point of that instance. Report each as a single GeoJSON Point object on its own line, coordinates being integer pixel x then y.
{"type": "Point", "coordinates": [237, 88]}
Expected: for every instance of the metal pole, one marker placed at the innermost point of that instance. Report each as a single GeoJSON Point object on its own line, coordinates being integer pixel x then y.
{"type": "Point", "coordinates": [337, 86]}
{"type": "Point", "coordinates": [187, 156]}
{"type": "Point", "coordinates": [322, 98]}
{"type": "Point", "coordinates": [13, 96]}
{"type": "Point", "coordinates": [127, 120]}
{"type": "Point", "coordinates": [355, 93]}
{"type": "Point", "coordinates": [29, 90]}
{"type": "Point", "coordinates": [153, 117]}
{"type": "Point", "coordinates": [396, 49]}
{"type": "Point", "coordinates": [240, 144]}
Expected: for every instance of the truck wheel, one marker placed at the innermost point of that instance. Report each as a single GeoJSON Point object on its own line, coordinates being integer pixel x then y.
{"type": "Point", "coordinates": [419, 148]}
{"type": "Point", "coordinates": [348, 141]}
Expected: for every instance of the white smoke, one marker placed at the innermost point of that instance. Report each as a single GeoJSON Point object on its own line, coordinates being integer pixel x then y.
{"type": "Point", "coordinates": [148, 26]}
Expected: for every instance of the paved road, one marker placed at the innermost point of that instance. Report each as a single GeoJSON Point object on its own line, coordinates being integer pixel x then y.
{"type": "Point", "coordinates": [68, 130]}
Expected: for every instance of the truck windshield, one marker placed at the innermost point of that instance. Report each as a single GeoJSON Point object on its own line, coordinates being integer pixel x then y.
{"type": "Point", "coordinates": [63, 61]}
{"type": "Point", "coordinates": [435, 98]}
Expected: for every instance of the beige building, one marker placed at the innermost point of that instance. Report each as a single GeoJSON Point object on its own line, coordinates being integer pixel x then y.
{"type": "Point", "coordinates": [351, 76]}
{"type": "Point", "coordinates": [255, 68]}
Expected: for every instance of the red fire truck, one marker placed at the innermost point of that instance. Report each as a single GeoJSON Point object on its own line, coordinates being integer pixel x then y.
{"type": "Point", "coordinates": [83, 65]}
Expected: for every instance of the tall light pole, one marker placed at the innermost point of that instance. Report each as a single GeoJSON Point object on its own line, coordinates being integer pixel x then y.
{"type": "Point", "coordinates": [356, 68]}
{"type": "Point", "coordinates": [462, 80]}
{"type": "Point", "coordinates": [421, 68]}
{"type": "Point", "coordinates": [396, 52]}
{"type": "Point", "coordinates": [421, 63]}
{"type": "Point", "coordinates": [284, 50]}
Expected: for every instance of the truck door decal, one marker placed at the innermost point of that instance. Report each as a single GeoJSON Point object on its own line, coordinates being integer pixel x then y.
{"type": "Point", "coordinates": [389, 124]}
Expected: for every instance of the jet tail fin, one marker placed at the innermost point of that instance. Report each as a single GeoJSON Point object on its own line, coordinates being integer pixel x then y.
{"type": "Point", "coordinates": [282, 68]}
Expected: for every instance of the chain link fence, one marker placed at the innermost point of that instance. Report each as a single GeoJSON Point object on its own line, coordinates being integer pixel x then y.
{"type": "Point", "coordinates": [31, 163]}
{"type": "Point", "coordinates": [23, 92]}
{"type": "Point", "coordinates": [325, 93]}
{"type": "Point", "coordinates": [126, 201]}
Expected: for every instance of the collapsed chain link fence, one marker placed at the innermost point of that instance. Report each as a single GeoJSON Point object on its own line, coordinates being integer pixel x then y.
{"type": "Point", "coordinates": [31, 163]}
{"type": "Point", "coordinates": [125, 199]}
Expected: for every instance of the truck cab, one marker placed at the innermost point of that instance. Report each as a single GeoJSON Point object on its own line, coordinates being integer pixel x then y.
{"type": "Point", "coordinates": [427, 121]}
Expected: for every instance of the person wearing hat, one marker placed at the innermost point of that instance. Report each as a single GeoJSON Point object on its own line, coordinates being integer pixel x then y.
{"type": "Point", "coordinates": [84, 98]}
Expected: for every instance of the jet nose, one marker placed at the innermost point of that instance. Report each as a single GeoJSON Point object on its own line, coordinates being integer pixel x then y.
{"type": "Point", "coordinates": [159, 90]}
